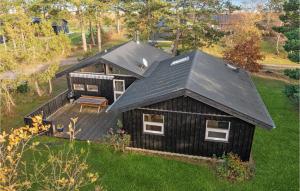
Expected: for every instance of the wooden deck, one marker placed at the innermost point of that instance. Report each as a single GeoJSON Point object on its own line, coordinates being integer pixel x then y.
{"type": "Point", "coordinates": [93, 125]}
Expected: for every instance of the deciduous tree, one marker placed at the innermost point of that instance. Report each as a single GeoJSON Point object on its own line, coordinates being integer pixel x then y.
{"type": "Point", "coordinates": [245, 54]}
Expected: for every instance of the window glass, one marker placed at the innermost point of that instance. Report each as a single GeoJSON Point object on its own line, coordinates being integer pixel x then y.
{"type": "Point", "coordinates": [92, 88]}
{"type": "Point", "coordinates": [217, 130]}
{"type": "Point", "coordinates": [216, 134]}
{"type": "Point", "coordinates": [78, 87]}
{"type": "Point", "coordinates": [118, 95]}
{"type": "Point", "coordinates": [119, 86]}
{"type": "Point", "coordinates": [153, 128]}
{"type": "Point", "coordinates": [153, 124]}
{"type": "Point", "coordinates": [153, 118]}
{"type": "Point", "coordinates": [218, 124]}
{"type": "Point", "coordinates": [96, 68]}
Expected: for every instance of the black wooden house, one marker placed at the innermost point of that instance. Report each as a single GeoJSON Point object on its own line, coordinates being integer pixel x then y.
{"type": "Point", "coordinates": [193, 104]}
{"type": "Point", "coordinates": [109, 73]}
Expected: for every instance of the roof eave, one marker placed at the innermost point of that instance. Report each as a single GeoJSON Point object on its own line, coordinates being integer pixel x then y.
{"type": "Point", "coordinates": [230, 111]}
{"type": "Point", "coordinates": [152, 100]}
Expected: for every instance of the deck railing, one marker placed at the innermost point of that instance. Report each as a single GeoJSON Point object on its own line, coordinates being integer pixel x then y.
{"type": "Point", "coordinates": [48, 109]}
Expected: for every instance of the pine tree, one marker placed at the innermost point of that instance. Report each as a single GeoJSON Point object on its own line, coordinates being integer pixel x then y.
{"type": "Point", "coordinates": [290, 29]}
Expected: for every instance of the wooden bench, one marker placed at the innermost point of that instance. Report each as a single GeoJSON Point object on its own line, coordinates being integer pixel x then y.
{"type": "Point", "coordinates": [92, 101]}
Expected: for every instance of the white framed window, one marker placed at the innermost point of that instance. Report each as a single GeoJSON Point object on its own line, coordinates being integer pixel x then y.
{"type": "Point", "coordinates": [153, 123]}
{"type": "Point", "coordinates": [79, 87]}
{"type": "Point", "coordinates": [217, 130]}
{"type": "Point", "coordinates": [92, 88]}
{"type": "Point", "coordinates": [119, 88]}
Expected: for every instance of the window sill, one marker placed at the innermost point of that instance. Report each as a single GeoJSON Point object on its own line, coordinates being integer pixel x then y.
{"type": "Point", "coordinates": [149, 133]}
{"type": "Point", "coordinates": [217, 141]}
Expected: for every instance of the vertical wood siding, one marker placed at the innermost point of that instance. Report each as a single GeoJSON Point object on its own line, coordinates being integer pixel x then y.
{"type": "Point", "coordinates": [105, 87]}
{"type": "Point", "coordinates": [185, 132]}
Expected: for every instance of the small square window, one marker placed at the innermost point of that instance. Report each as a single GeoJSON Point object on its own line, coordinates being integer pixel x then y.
{"type": "Point", "coordinates": [153, 124]}
{"type": "Point", "coordinates": [79, 87]}
{"type": "Point", "coordinates": [92, 88]}
{"type": "Point", "coordinates": [217, 130]}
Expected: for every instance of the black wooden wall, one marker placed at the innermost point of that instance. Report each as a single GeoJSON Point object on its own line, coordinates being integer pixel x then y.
{"type": "Point", "coordinates": [185, 131]}
{"type": "Point", "coordinates": [105, 87]}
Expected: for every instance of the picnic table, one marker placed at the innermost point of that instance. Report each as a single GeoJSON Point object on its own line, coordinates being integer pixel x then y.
{"type": "Point", "coordinates": [92, 101]}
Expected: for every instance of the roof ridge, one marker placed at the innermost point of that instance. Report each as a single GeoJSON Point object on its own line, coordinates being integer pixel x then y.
{"type": "Point", "coordinates": [193, 53]}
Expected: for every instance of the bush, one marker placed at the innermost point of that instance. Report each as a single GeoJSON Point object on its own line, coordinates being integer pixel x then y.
{"type": "Point", "coordinates": [117, 138]}
{"type": "Point", "coordinates": [292, 92]}
{"type": "Point", "coordinates": [233, 169]}
{"type": "Point", "coordinates": [292, 73]}
{"type": "Point", "coordinates": [23, 87]}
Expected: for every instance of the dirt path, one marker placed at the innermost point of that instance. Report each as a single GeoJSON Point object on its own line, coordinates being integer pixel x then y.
{"type": "Point", "coordinates": [37, 68]}
{"type": "Point", "coordinates": [280, 66]}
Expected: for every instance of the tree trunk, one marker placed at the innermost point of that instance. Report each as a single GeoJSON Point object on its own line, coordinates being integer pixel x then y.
{"type": "Point", "coordinates": [14, 44]}
{"type": "Point", "coordinates": [4, 42]}
{"type": "Point", "coordinates": [99, 41]}
{"type": "Point", "coordinates": [50, 86]}
{"type": "Point", "coordinates": [37, 88]}
{"type": "Point", "coordinates": [92, 33]}
{"type": "Point", "coordinates": [277, 44]}
{"type": "Point", "coordinates": [118, 22]}
{"type": "Point", "coordinates": [9, 98]}
{"type": "Point", "coordinates": [83, 38]}
{"type": "Point", "coordinates": [176, 42]}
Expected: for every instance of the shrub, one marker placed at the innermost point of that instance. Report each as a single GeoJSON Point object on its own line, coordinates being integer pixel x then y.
{"type": "Point", "coordinates": [117, 138]}
{"type": "Point", "coordinates": [292, 73]}
{"type": "Point", "coordinates": [292, 92]}
{"type": "Point", "coordinates": [233, 169]}
{"type": "Point", "coordinates": [23, 87]}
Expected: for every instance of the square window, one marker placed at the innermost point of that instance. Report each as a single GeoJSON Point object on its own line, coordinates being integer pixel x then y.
{"type": "Point", "coordinates": [92, 88]}
{"type": "Point", "coordinates": [153, 124]}
{"type": "Point", "coordinates": [79, 87]}
{"type": "Point", "coordinates": [217, 130]}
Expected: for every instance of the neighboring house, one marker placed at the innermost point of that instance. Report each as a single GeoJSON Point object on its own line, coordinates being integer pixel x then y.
{"type": "Point", "coordinates": [194, 103]}
{"type": "Point", "coordinates": [62, 26]}
{"type": "Point", "coordinates": [57, 27]}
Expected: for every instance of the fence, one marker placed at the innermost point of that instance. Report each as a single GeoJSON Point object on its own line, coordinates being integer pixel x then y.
{"type": "Point", "coordinates": [47, 109]}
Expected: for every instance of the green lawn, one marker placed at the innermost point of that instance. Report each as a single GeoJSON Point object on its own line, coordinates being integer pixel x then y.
{"type": "Point", "coordinates": [268, 49]}
{"type": "Point", "coordinates": [275, 153]}
{"type": "Point", "coordinates": [25, 103]}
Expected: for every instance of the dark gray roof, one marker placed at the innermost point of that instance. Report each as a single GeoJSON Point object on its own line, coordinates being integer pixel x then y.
{"type": "Point", "coordinates": [128, 56]}
{"type": "Point", "coordinates": [87, 61]}
{"type": "Point", "coordinates": [204, 78]}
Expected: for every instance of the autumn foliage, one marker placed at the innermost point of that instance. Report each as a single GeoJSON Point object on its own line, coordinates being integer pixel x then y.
{"type": "Point", "coordinates": [245, 55]}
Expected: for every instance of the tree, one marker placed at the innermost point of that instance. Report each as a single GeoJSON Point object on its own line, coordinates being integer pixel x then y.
{"type": "Point", "coordinates": [81, 7]}
{"type": "Point", "coordinates": [47, 75]}
{"type": "Point", "coordinates": [229, 7]}
{"type": "Point", "coordinates": [243, 28]}
{"type": "Point", "coordinates": [5, 94]}
{"type": "Point", "coordinates": [191, 24]}
{"type": "Point", "coordinates": [29, 45]}
{"type": "Point", "coordinates": [245, 54]}
{"type": "Point", "coordinates": [143, 17]}
{"type": "Point", "coordinates": [64, 170]}
{"type": "Point", "coordinates": [290, 29]}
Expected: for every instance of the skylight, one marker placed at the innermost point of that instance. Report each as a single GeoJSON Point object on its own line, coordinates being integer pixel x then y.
{"type": "Point", "coordinates": [232, 67]}
{"type": "Point", "coordinates": [179, 61]}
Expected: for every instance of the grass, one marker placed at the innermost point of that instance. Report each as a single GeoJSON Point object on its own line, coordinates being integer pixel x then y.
{"type": "Point", "coordinates": [268, 49]}
{"type": "Point", "coordinates": [276, 154]}
{"type": "Point", "coordinates": [25, 103]}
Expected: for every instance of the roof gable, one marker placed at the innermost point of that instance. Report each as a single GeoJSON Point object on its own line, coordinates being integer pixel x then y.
{"type": "Point", "coordinates": [128, 56]}
{"type": "Point", "coordinates": [202, 77]}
